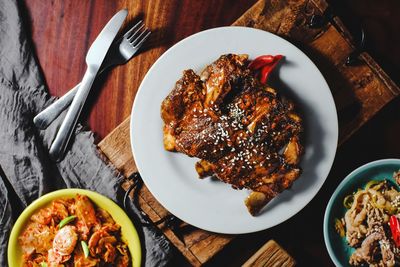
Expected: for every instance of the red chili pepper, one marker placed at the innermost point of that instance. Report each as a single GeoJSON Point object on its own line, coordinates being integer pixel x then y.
{"type": "Point", "coordinates": [261, 61]}
{"type": "Point", "coordinates": [395, 229]}
{"type": "Point", "coordinates": [267, 69]}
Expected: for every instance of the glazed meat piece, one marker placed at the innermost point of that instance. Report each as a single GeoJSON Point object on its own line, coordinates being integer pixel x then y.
{"type": "Point", "coordinates": [180, 106]}
{"type": "Point", "coordinates": [245, 133]}
{"type": "Point", "coordinates": [191, 124]}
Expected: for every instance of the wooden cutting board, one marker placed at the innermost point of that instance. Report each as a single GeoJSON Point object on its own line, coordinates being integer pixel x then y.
{"type": "Point", "coordinates": [271, 254]}
{"type": "Point", "coordinates": [359, 90]}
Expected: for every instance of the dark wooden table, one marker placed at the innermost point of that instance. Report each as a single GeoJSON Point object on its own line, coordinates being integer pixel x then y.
{"type": "Point", "coordinates": [63, 30]}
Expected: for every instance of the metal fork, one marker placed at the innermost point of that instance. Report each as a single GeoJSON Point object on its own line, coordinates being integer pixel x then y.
{"type": "Point", "coordinates": [120, 52]}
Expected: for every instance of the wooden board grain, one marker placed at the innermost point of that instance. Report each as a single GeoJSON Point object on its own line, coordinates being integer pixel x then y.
{"type": "Point", "coordinates": [364, 84]}
{"type": "Point", "coordinates": [272, 255]}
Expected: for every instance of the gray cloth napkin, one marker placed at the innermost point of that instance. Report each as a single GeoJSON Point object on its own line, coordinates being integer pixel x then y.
{"type": "Point", "coordinates": [25, 168]}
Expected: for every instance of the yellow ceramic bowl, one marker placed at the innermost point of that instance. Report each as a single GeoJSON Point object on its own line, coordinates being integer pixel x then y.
{"type": "Point", "coordinates": [128, 231]}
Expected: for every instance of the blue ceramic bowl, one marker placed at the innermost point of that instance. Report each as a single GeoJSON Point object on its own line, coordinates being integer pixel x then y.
{"type": "Point", "coordinates": [337, 246]}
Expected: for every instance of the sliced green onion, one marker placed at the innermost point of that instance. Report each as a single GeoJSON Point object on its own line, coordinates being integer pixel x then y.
{"type": "Point", "coordinates": [85, 248]}
{"type": "Point", "coordinates": [348, 201]}
{"type": "Point", "coordinates": [371, 184]}
{"type": "Point", "coordinates": [339, 227]}
{"type": "Point", "coordinates": [66, 221]}
{"type": "Point", "coordinates": [43, 264]}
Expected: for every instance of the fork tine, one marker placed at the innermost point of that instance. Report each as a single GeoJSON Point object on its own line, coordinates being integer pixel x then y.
{"type": "Point", "coordinates": [135, 33]}
{"type": "Point", "coordinates": [128, 33]}
{"type": "Point", "coordinates": [141, 38]}
{"type": "Point", "coordinates": [139, 44]}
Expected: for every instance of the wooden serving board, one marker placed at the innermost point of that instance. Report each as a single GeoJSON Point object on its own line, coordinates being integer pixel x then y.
{"type": "Point", "coordinates": [360, 91]}
{"type": "Point", "coordinates": [271, 255]}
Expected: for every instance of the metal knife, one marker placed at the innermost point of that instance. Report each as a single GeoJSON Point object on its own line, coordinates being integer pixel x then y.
{"type": "Point", "coordinates": [94, 59]}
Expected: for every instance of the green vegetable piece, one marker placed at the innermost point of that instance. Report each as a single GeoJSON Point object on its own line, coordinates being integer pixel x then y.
{"type": "Point", "coordinates": [348, 201]}
{"type": "Point", "coordinates": [371, 184]}
{"type": "Point", "coordinates": [43, 264]}
{"type": "Point", "coordinates": [85, 248]}
{"type": "Point", "coordinates": [66, 221]}
{"type": "Point", "coordinates": [390, 209]}
{"type": "Point", "coordinates": [339, 227]}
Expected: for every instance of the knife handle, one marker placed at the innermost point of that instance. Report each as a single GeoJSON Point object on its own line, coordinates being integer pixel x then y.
{"type": "Point", "coordinates": [59, 145]}
{"type": "Point", "coordinates": [43, 119]}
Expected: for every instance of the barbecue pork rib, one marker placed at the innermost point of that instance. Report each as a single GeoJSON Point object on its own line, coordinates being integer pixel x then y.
{"type": "Point", "coordinates": [243, 132]}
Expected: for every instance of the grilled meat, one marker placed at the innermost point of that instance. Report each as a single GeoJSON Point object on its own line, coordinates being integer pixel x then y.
{"type": "Point", "coordinates": [244, 133]}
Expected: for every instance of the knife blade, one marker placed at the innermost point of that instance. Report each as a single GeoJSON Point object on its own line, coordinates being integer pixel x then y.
{"type": "Point", "coordinates": [94, 59]}
{"type": "Point", "coordinates": [98, 50]}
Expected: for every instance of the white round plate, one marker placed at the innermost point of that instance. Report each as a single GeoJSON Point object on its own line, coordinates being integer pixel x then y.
{"type": "Point", "coordinates": [213, 205]}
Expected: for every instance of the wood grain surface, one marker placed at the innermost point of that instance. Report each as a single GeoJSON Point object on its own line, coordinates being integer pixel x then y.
{"type": "Point", "coordinates": [271, 254]}
{"type": "Point", "coordinates": [63, 30]}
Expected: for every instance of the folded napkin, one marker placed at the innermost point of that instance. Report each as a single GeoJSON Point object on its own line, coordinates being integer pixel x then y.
{"type": "Point", "coordinates": [25, 168]}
